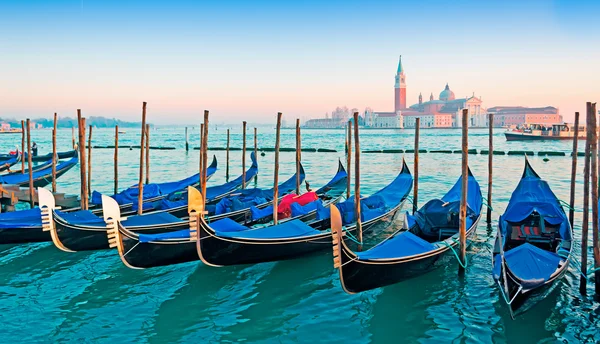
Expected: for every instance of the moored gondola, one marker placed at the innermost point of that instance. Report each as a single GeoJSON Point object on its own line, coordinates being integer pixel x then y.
{"type": "Point", "coordinates": [128, 198]}
{"type": "Point", "coordinates": [146, 250]}
{"type": "Point", "coordinates": [41, 177]}
{"type": "Point", "coordinates": [427, 241]}
{"type": "Point", "coordinates": [84, 230]}
{"type": "Point", "coordinates": [7, 163]}
{"type": "Point", "coordinates": [533, 244]}
{"type": "Point", "coordinates": [222, 243]}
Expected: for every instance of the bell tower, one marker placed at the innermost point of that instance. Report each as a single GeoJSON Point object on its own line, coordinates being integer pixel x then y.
{"type": "Point", "coordinates": [400, 88]}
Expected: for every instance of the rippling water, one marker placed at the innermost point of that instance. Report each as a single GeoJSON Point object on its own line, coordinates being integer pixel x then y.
{"type": "Point", "coordinates": [50, 295]}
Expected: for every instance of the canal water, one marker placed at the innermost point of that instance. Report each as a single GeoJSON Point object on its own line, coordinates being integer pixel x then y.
{"type": "Point", "coordinates": [47, 295]}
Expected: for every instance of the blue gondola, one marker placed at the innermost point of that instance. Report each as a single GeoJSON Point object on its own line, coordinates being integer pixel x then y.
{"type": "Point", "coordinates": [427, 241]}
{"type": "Point", "coordinates": [220, 243]}
{"type": "Point", "coordinates": [533, 244]}
{"type": "Point", "coordinates": [84, 230]}
{"type": "Point", "coordinates": [41, 177]}
{"type": "Point", "coordinates": [8, 162]}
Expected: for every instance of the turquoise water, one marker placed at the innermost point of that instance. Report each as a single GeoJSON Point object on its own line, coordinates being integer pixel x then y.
{"type": "Point", "coordinates": [47, 295]}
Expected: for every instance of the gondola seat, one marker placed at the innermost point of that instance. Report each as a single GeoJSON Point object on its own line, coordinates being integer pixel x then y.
{"type": "Point", "coordinates": [531, 264]}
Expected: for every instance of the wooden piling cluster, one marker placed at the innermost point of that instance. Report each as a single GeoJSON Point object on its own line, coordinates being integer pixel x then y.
{"type": "Point", "coordinates": [591, 110]}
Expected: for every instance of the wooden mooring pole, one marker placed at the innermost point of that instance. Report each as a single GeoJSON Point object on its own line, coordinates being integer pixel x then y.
{"type": "Point", "coordinates": [89, 164]}
{"type": "Point", "coordinates": [116, 161]}
{"type": "Point", "coordinates": [201, 163]}
{"type": "Point", "coordinates": [73, 135]}
{"type": "Point", "coordinates": [573, 170]}
{"type": "Point", "coordinates": [298, 148]}
{"type": "Point", "coordinates": [147, 153]}
{"type": "Point", "coordinates": [141, 176]}
{"type": "Point", "coordinates": [54, 157]}
{"type": "Point", "coordinates": [187, 145]}
{"type": "Point", "coordinates": [276, 173]}
{"type": "Point", "coordinates": [255, 144]}
{"type": "Point", "coordinates": [227, 159]}
{"type": "Point", "coordinates": [29, 164]}
{"type": "Point", "coordinates": [490, 165]}
{"type": "Point", "coordinates": [586, 204]}
{"type": "Point", "coordinates": [204, 154]}
{"type": "Point", "coordinates": [244, 155]}
{"type": "Point", "coordinates": [357, 182]}
{"type": "Point", "coordinates": [416, 165]}
{"type": "Point", "coordinates": [348, 157]}
{"type": "Point", "coordinates": [22, 147]}
{"type": "Point", "coordinates": [82, 159]}
{"type": "Point", "coordinates": [463, 196]}
{"type": "Point", "coordinates": [595, 235]}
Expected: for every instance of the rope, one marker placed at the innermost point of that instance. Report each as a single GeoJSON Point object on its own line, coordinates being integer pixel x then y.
{"type": "Point", "coordinates": [487, 203]}
{"type": "Point", "coordinates": [504, 295]}
{"type": "Point", "coordinates": [352, 237]}
{"type": "Point", "coordinates": [566, 204]}
{"type": "Point", "coordinates": [456, 255]}
{"type": "Point", "coordinates": [577, 265]}
{"type": "Point", "coordinates": [410, 199]}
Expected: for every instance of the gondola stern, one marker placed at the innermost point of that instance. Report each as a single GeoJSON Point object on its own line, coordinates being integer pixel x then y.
{"type": "Point", "coordinates": [198, 226]}
{"type": "Point", "coordinates": [405, 169]}
{"type": "Point", "coordinates": [112, 218]}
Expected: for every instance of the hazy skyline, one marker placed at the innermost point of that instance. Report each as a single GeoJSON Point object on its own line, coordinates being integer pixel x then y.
{"type": "Point", "coordinates": [247, 61]}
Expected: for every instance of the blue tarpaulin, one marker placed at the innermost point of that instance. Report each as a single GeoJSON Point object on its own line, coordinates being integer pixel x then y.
{"type": "Point", "coordinates": [288, 229]}
{"type": "Point", "coordinates": [153, 190]}
{"type": "Point", "coordinates": [18, 178]}
{"type": "Point", "coordinates": [21, 219]}
{"type": "Point", "coordinates": [531, 264]}
{"type": "Point", "coordinates": [402, 245]}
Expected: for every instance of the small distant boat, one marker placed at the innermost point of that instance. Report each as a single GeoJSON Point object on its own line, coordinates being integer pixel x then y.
{"type": "Point", "coordinates": [427, 241]}
{"type": "Point", "coordinates": [543, 132]}
{"type": "Point", "coordinates": [44, 158]}
{"type": "Point", "coordinates": [122, 131]}
{"type": "Point", "coordinates": [533, 244]}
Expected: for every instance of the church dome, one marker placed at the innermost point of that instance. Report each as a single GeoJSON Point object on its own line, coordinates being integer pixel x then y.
{"type": "Point", "coordinates": [446, 94]}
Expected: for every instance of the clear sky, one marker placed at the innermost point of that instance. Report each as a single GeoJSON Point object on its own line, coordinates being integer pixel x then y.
{"type": "Point", "coordinates": [251, 59]}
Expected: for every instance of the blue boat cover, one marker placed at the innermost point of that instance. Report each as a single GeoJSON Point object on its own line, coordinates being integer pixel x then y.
{"type": "Point", "coordinates": [8, 162]}
{"type": "Point", "coordinates": [402, 245]}
{"type": "Point", "coordinates": [21, 219]}
{"type": "Point", "coordinates": [375, 205]}
{"type": "Point", "coordinates": [444, 214]}
{"type": "Point", "coordinates": [534, 194]}
{"type": "Point", "coordinates": [221, 226]}
{"type": "Point", "coordinates": [130, 195]}
{"type": "Point", "coordinates": [288, 229]}
{"type": "Point", "coordinates": [252, 197]}
{"type": "Point", "coordinates": [531, 264]}
{"type": "Point", "coordinates": [18, 178]}
{"type": "Point", "coordinates": [260, 213]}
{"type": "Point", "coordinates": [87, 218]}
{"type": "Point", "coordinates": [179, 198]}
{"type": "Point", "coordinates": [299, 210]}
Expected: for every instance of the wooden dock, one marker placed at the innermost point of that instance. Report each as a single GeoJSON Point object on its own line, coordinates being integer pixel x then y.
{"type": "Point", "coordinates": [10, 195]}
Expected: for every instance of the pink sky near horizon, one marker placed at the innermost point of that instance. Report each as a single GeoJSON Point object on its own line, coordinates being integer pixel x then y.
{"type": "Point", "coordinates": [251, 72]}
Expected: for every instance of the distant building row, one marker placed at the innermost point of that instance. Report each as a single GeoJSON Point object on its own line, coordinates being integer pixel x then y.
{"type": "Point", "coordinates": [444, 112]}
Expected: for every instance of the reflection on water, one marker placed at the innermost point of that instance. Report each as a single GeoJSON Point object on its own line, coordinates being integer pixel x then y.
{"type": "Point", "coordinates": [46, 293]}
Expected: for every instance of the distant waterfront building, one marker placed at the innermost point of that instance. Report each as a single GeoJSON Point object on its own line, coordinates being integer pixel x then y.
{"type": "Point", "coordinates": [506, 116]}
{"type": "Point", "coordinates": [444, 112]}
{"type": "Point", "coordinates": [5, 127]}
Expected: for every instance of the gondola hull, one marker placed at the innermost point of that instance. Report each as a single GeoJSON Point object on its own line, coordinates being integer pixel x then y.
{"type": "Point", "coordinates": [154, 254]}
{"type": "Point", "coordinates": [23, 235]}
{"type": "Point", "coordinates": [358, 276]}
{"type": "Point", "coordinates": [522, 300]}
{"type": "Point", "coordinates": [220, 251]}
